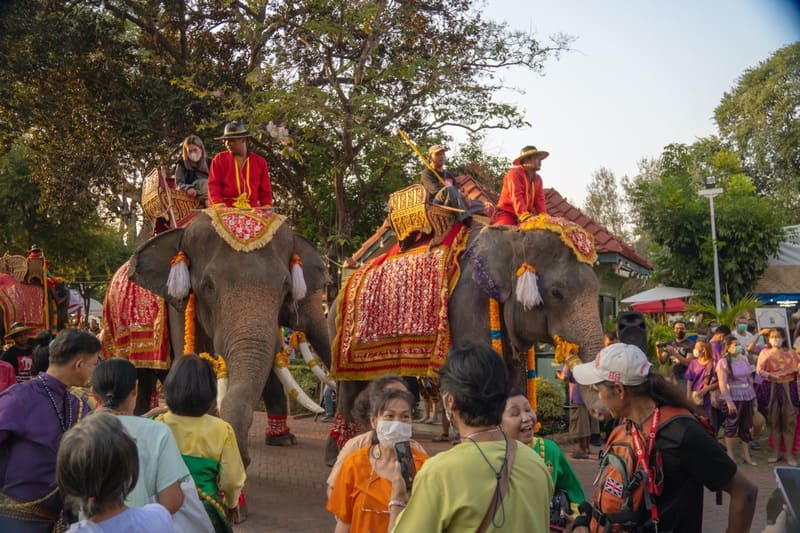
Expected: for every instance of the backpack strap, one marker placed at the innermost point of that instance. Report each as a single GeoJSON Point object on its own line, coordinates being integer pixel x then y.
{"type": "Point", "coordinates": [502, 487]}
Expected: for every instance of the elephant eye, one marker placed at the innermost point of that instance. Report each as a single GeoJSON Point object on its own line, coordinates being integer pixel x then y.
{"type": "Point", "coordinates": [557, 293]}
{"type": "Point", "coordinates": [208, 286]}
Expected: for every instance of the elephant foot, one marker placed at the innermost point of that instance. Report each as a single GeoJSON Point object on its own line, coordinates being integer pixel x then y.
{"type": "Point", "coordinates": [287, 439]}
{"type": "Point", "coordinates": [331, 451]}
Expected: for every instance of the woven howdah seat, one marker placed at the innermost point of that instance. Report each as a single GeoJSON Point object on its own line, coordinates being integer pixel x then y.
{"type": "Point", "coordinates": [410, 213]}
{"type": "Point", "coordinates": [162, 200]}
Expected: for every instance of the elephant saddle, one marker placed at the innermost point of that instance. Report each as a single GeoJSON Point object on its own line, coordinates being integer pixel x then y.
{"type": "Point", "coordinates": [135, 324]}
{"type": "Point", "coordinates": [21, 302]}
{"type": "Point", "coordinates": [393, 316]}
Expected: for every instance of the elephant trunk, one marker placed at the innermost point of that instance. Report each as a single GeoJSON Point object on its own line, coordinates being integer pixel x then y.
{"type": "Point", "coordinates": [248, 342]}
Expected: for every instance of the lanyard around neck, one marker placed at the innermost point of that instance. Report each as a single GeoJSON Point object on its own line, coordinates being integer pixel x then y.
{"type": "Point", "coordinates": [644, 456]}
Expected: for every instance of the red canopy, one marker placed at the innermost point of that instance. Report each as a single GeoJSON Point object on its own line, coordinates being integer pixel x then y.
{"type": "Point", "coordinates": [672, 305]}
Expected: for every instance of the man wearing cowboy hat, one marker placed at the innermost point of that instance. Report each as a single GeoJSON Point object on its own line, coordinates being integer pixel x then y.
{"type": "Point", "coordinates": [238, 177]}
{"type": "Point", "coordinates": [444, 191]}
{"type": "Point", "coordinates": [20, 354]}
{"type": "Point", "coordinates": [523, 195]}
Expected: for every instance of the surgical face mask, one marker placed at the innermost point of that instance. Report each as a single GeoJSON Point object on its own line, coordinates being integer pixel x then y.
{"type": "Point", "coordinates": [738, 350]}
{"type": "Point", "coordinates": [195, 156]}
{"type": "Point", "coordinates": [681, 333]}
{"type": "Point", "coordinates": [713, 329]}
{"type": "Point", "coordinates": [741, 328]}
{"type": "Point", "coordinates": [390, 432]}
{"type": "Point", "coordinates": [776, 342]}
{"type": "Point", "coordinates": [697, 354]}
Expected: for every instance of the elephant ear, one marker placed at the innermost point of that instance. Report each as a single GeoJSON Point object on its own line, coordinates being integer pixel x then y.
{"type": "Point", "coordinates": [150, 264]}
{"type": "Point", "coordinates": [491, 254]}
{"type": "Point", "coordinates": [315, 272]}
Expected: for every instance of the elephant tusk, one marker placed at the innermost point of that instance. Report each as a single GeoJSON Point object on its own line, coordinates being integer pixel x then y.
{"type": "Point", "coordinates": [316, 365]}
{"type": "Point", "coordinates": [222, 389]}
{"type": "Point", "coordinates": [281, 368]}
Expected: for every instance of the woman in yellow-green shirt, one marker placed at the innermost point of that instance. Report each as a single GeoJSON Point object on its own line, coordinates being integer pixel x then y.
{"type": "Point", "coordinates": [207, 443]}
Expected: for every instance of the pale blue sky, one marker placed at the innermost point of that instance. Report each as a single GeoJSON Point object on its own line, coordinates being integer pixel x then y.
{"type": "Point", "coordinates": [642, 74]}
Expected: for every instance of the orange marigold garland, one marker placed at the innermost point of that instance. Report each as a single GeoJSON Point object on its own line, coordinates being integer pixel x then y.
{"type": "Point", "coordinates": [188, 325]}
{"type": "Point", "coordinates": [495, 334]}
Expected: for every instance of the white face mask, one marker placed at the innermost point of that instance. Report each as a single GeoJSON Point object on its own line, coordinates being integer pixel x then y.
{"type": "Point", "coordinates": [195, 156]}
{"type": "Point", "coordinates": [776, 343]}
{"type": "Point", "coordinates": [738, 350]}
{"type": "Point", "coordinates": [390, 432]}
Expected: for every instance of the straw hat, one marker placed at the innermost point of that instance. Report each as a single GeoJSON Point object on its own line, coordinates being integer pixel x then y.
{"type": "Point", "coordinates": [234, 130]}
{"type": "Point", "coordinates": [17, 328]}
{"type": "Point", "coordinates": [435, 149]}
{"type": "Point", "coordinates": [529, 151]}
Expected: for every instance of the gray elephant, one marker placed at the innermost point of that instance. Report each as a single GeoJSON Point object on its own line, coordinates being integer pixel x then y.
{"type": "Point", "coordinates": [240, 298]}
{"type": "Point", "coordinates": [568, 288]}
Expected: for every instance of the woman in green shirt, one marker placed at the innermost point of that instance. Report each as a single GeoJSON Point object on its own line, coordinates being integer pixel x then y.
{"type": "Point", "coordinates": [519, 421]}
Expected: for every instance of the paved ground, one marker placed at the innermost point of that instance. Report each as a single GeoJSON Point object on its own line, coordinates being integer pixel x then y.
{"type": "Point", "coordinates": [286, 486]}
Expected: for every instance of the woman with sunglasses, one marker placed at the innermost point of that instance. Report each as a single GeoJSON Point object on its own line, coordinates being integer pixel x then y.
{"type": "Point", "coordinates": [361, 495]}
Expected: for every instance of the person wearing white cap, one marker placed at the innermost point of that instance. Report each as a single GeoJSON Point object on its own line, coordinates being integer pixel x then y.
{"type": "Point", "coordinates": [683, 455]}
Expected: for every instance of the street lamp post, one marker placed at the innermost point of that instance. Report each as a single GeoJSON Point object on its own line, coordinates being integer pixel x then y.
{"type": "Point", "coordinates": [710, 192]}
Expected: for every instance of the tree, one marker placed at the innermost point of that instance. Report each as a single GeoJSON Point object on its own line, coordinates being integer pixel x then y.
{"type": "Point", "coordinates": [472, 159]}
{"type": "Point", "coordinates": [760, 119]}
{"type": "Point", "coordinates": [84, 249]}
{"type": "Point", "coordinates": [604, 204]}
{"type": "Point", "coordinates": [677, 219]}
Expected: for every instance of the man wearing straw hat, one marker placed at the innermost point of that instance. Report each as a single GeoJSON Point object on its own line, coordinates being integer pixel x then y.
{"type": "Point", "coordinates": [20, 354]}
{"type": "Point", "coordinates": [523, 195]}
{"type": "Point", "coordinates": [238, 177]}
{"type": "Point", "coordinates": [442, 190]}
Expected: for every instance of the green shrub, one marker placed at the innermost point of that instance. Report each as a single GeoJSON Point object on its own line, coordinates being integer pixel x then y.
{"type": "Point", "coordinates": [307, 381]}
{"type": "Point", "coordinates": [549, 399]}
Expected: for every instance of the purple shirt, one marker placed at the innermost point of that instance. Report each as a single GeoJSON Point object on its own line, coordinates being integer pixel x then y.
{"type": "Point", "coordinates": [739, 385]}
{"type": "Point", "coordinates": [696, 374]}
{"type": "Point", "coordinates": [30, 432]}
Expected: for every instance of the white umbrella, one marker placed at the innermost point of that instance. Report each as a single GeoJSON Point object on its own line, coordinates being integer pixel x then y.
{"type": "Point", "coordinates": [657, 294]}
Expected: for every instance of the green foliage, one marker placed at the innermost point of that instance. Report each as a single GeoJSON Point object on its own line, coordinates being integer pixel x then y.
{"type": "Point", "coordinates": [307, 381]}
{"type": "Point", "coordinates": [473, 160]}
{"type": "Point", "coordinates": [83, 248]}
{"type": "Point", "coordinates": [759, 119]}
{"type": "Point", "coordinates": [677, 220]}
{"type": "Point", "coordinates": [603, 202]}
{"type": "Point", "coordinates": [549, 399]}
{"type": "Point", "coordinates": [730, 310]}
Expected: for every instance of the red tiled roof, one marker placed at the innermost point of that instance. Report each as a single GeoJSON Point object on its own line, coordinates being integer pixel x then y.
{"type": "Point", "coordinates": [604, 241]}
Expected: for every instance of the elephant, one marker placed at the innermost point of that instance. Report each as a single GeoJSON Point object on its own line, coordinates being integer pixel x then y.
{"type": "Point", "coordinates": [240, 299]}
{"type": "Point", "coordinates": [23, 302]}
{"type": "Point", "coordinates": [568, 288]}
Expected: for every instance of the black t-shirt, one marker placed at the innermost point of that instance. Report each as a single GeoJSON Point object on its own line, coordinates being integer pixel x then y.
{"type": "Point", "coordinates": [692, 460]}
{"type": "Point", "coordinates": [685, 348]}
{"type": "Point", "coordinates": [431, 183]}
{"type": "Point", "coordinates": [21, 359]}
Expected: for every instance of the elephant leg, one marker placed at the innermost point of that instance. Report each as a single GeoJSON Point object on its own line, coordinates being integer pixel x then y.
{"type": "Point", "coordinates": [277, 432]}
{"type": "Point", "coordinates": [147, 386]}
{"type": "Point", "coordinates": [344, 427]}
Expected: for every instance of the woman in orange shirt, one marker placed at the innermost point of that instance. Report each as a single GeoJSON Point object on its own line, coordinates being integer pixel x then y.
{"type": "Point", "coordinates": [361, 495]}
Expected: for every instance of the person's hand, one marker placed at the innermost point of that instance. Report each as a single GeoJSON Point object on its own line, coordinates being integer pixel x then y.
{"type": "Point", "coordinates": [488, 210]}
{"type": "Point", "coordinates": [191, 192]}
{"type": "Point", "coordinates": [155, 411]}
{"type": "Point", "coordinates": [731, 408]}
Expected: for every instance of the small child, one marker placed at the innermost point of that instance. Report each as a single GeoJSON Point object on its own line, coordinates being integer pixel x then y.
{"type": "Point", "coordinates": [98, 466]}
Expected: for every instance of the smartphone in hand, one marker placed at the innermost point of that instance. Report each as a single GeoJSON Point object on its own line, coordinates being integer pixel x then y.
{"type": "Point", "coordinates": [788, 479]}
{"type": "Point", "coordinates": [406, 459]}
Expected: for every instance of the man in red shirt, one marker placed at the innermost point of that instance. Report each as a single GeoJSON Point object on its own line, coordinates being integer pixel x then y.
{"type": "Point", "coordinates": [523, 195]}
{"type": "Point", "coordinates": [238, 177]}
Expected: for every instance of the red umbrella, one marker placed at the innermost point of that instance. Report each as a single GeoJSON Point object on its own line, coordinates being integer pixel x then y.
{"type": "Point", "coordinates": [671, 305]}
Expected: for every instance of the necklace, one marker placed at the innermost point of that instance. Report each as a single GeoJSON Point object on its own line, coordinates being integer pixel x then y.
{"type": "Point", "coordinates": [498, 497]}
{"type": "Point", "coordinates": [65, 418]}
{"type": "Point", "coordinates": [481, 431]}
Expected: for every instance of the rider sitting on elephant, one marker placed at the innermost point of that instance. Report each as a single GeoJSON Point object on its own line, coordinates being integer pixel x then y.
{"type": "Point", "coordinates": [191, 171]}
{"type": "Point", "coordinates": [441, 186]}
{"type": "Point", "coordinates": [522, 195]}
{"type": "Point", "coordinates": [238, 177]}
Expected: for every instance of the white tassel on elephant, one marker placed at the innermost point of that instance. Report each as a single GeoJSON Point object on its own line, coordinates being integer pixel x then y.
{"type": "Point", "coordinates": [318, 368]}
{"type": "Point", "coordinates": [527, 287]}
{"type": "Point", "coordinates": [178, 282]}
{"type": "Point", "coordinates": [281, 368]}
{"type": "Point", "coordinates": [299, 288]}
